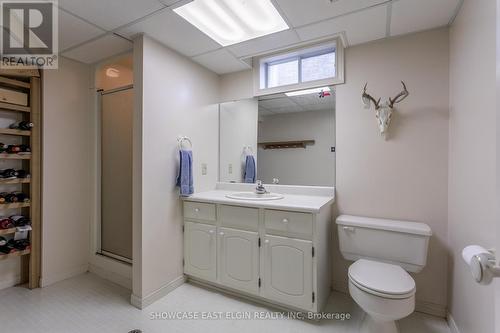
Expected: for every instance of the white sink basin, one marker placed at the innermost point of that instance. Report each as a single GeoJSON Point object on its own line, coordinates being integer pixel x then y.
{"type": "Point", "coordinates": [254, 196]}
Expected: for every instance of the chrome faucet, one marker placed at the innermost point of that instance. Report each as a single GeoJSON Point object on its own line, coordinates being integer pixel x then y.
{"type": "Point", "coordinates": [260, 189]}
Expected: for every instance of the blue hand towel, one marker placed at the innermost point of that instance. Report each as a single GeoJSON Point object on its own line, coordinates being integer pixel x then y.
{"type": "Point", "coordinates": [249, 176]}
{"type": "Point", "coordinates": [185, 177]}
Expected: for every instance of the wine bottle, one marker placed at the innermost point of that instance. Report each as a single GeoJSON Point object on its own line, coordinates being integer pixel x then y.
{"type": "Point", "coordinates": [13, 149]}
{"type": "Point", "coordinates": [11, 198]}
{"type": "Point", "coordinates": [8, 174]}
{"type": "Point", "coordinates": [22, 174]}
{"type": "Point", "coordinates": [25, 149]}
{"type": "Point", "coordinates": [20, 220]}
{"type": "Point", "coordinates": [21, 197]}
{"type": "Point", "coordinates": [2, 197]}
{"type": "Point", "coordinates": [22, 125]}
{"type": "Point", "coordinates": [3, 147]}
{"type": "Point", "coordinates": [6, 223]}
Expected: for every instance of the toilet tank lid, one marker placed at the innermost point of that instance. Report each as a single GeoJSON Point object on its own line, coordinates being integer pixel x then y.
{"type": "Point", "coordinates": [385, 224]}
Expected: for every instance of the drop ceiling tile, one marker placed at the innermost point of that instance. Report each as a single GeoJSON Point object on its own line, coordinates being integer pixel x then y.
{"type": "Point", "coordinates": [410, 16]}
{"type": "Point", "coordinates": [73, 31]}
{"type": "Point", "coordinates": [265, 43]}
{"type": "Point", "coordinates": [173, 31]}
{"type": "Point", "coordinates": [300, 13]}
{"type": "Point", "coordinates": [270, 104]}
{"type": "Point", "coordinates": [263, 112]}
{"type": "Point", "coordinates": [111, 14]}
{"type": "Point", "coordinates": [221, 62]}
{"type": "Point", "coordinates": [360, 27]}
{"type": "Point", "coordinates": [99, 49]}
{"type": "Point", "coordinates": [169, 2]}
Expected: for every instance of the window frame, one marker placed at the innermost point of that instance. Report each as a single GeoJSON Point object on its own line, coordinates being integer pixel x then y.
{"type": "Point", "coordinates": [261, 63]}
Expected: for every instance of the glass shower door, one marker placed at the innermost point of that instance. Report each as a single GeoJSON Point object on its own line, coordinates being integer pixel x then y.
{"type": "Point", "coordinates": [116, 173]}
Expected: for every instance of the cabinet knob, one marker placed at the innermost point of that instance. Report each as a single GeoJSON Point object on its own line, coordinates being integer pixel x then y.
{"type": "Point", "coordinates": [285, 221]}
{"type": "Point", "coordinates": [211, 231]}
{"type": "Point", "coordinates": [197, 210]}
{"type": "Point", "coordinates": [266, 241]}
{"type": "Point", "coordinates": [221, 233]}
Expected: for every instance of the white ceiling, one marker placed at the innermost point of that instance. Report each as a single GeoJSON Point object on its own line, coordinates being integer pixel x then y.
{"type": "Point", "coordinates": [280, 103]}
{"type": "Point", "coordinates": [92, 30]}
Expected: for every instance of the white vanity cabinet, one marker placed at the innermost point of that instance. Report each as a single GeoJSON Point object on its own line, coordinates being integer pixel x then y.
{"type": "Point", "coordinates": [273, 255]}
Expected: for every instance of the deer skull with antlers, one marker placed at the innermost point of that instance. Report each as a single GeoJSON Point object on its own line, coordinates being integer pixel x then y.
{"type": "Point", "coordinates": [383, 111]}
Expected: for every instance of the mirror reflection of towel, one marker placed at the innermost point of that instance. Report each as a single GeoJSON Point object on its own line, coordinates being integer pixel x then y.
{"type": "Point", "coordinates": [185, 177]}
{"type": "Point", "coordinates": [249, 176]}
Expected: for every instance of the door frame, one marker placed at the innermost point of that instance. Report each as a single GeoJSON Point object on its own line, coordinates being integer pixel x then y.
{"type": "Point", "coordinates": [98, 222]}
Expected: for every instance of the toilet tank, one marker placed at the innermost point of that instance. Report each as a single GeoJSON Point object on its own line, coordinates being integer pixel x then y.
{"type": "Point", "coordinates": [401, 243]}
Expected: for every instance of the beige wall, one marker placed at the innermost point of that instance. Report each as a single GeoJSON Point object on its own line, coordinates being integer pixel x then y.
{"type": "Point", "coordinates": [238, 129]}
{"type": "Point", "coordinates": [404, 177]}
{"type": "Point", "coordinates": [174, 97]}
{"type": "Point", "coordinates": [236, 86]}
{"type": "Point", "coordinates": [472, 173]}
{"type": "Point", "coordinates": [66, 171]}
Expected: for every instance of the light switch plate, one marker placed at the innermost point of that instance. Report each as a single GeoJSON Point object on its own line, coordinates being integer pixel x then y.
{"type": "Point", "coordinates": [204, 169]}
{"type": "Point", "coordinates": [230, 169]}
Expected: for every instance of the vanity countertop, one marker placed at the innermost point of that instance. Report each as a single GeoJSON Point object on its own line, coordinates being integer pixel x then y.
{"type": "Point", "coordinates": [294, 202]}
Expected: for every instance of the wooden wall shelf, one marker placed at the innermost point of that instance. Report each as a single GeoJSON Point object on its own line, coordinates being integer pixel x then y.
{"type": "Point", "coordinates": [10, 131]}
{"type": "Point", "coordinates": [15, 205]}
{"type": "Point", "coordinates": [14, 83]}
{"type": "Point", "coordinates": [15, 156]}
{"type": "Point", "coordinates": [27, 81]}
{"type": "Point", "coordinates": [15, 181]}
{"type": "Point", "coordinates": [15, 254]}
{"type": "Point", "coordinates": [14, 107]}
{"type": "Point", "coordinates": [7, 231]}
{"type": "Point", "coordinates": [286, 144]}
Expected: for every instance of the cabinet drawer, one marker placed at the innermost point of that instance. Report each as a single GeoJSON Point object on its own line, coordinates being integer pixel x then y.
{"type": "Point", "coordinates": [199, 211]}
{"type": "Point", "coordinates": [13, 97]}
{"type": "Point", "coordinates": [283, 223]}
{"type": "Point", "coordinates": [239, 217]}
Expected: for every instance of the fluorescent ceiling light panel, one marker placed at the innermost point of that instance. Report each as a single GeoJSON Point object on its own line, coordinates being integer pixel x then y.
{"type": "Point", "coordinates": [307, 91]}
{"type": "Point", "coordinates": [233, 21]}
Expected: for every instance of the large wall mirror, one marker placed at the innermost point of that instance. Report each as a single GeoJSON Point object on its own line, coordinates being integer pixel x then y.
{"type": "Point", "coordinates": [287, 139]}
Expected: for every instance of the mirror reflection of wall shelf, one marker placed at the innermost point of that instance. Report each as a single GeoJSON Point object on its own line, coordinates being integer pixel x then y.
{"type": "Point", "coordinates": [286, 132]}
{"type": "Point", "coordinates": [286, 144]}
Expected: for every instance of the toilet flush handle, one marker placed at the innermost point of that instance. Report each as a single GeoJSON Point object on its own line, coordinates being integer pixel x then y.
{"type": "Point", "coordinates": [349, 229]}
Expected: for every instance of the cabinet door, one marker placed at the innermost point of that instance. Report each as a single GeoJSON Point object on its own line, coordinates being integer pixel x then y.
{"type": "Point", "coordinates": [200, 250]}
{"type": "Point", "coordinates": [287, 265]}
{"type": "Point", "coordinates": [239, 259]}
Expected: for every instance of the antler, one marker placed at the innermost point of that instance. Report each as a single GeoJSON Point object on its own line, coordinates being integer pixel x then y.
{"type": "Point", "coordinates": [399, 97]}
{"type": "Point", "coordinates": [366, 95]}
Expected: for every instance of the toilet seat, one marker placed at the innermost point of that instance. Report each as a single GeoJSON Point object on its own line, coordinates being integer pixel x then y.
{"type": "Point", "coordinates": [382, 279]}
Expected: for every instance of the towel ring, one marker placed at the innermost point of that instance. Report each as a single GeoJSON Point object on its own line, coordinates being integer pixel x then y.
{"type": "Point", "coordinates": [181, 139]}
{"type": "Point", "coordinates": [248, 148]}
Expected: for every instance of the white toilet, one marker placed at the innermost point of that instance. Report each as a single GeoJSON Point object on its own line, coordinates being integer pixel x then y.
{"type": "Point", "coordinates": [383, 251]}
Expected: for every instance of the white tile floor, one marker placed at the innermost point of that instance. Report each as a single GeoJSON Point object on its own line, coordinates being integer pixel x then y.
{"type": "Point", "coordinates": [87, 303]}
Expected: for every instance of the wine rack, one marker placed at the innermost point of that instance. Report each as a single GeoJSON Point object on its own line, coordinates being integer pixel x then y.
{"type": "Point", "coordinates": [31, 85]}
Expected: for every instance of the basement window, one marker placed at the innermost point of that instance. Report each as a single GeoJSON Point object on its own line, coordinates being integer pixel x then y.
{"type": "Point", "coordinates": [307, 67]}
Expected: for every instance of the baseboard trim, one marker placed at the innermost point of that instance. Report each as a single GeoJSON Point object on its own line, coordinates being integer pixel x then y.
{"type": "Point", "coordinates": [10, 282]}
{"type": "Point", "coordinates": [452, 324]}
{"type": "Point", "coordinates": [69, 273]}
{"type": "Point", "coordinates": [437, 310]}
{"type": "Point", "coordinates": [121, 280]}
{"type": "Point", "coordinates": [144, 302]}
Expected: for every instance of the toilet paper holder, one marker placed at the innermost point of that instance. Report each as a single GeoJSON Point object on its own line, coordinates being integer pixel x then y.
{"type": "Point", "coordinates": [483, 266]}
